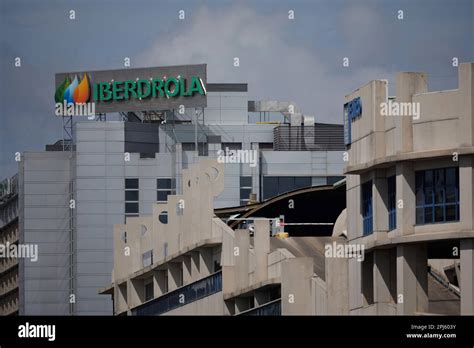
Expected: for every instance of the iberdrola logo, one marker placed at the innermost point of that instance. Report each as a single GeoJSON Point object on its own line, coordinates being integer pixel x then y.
{"type": "Point", "coordinates": [72, 97]}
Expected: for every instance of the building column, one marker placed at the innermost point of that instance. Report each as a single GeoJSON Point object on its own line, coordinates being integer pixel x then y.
{"type": "Point", "coordinates": [261, 249]}
{"type": "Point", "coordinates": [353, 198]}
{"type": "Point", "coordinates": [174, 275]}
{"type": "Point", "coordinates": [187, 269]}
{"type": "Point", "coordinates": [135, 292]}
{"type": "Point", "coordinates": [466, 194]}
{"type": "Point", "coordinates": [195, 266]}
{"type": "Point", "coordinates": [380, 205]}
{"type": "Point", "coordinates": [160, 283]}
{"type": "Point", "coordinates": [384, 279]}
{"type": "Point", "coordinates": [241, 259]}
{"type": "Point", "coordinates": [407, 84]}
{"type": "Point", "coordinates": [296, 275]}
{"type": "Point", "coordinates": [405, 186]}
{"type": "Point", "coordinates": [467, 280]}
{"type": "Point", "coordinates": [205, 262]}
{"type": "Point", "coordinates": [356, 300]}
{"type": "Point", "coordinates": [412, 279]}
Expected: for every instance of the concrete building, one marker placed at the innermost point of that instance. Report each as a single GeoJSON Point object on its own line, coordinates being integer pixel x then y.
{"type": "Point", "coordinates": [70, 200]}
{"type": "Point", "coordinates": [182, 259]}
{"type": "Point", "coordinates": [9, 268]}
{"type": "Point", "coordinates": [410, 195]}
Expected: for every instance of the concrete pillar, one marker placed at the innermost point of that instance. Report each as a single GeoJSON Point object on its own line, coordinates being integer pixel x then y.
{"type": "Point", "coordinates": [261, 249]}
{"type": "Point", "coordinates": [187, 269]}
{"type": "Point", "coordinates": [174, 275]}
{"type": "Point", "coordinates": [136, 292]}
{"type": "Point", "coordinates": [353, 196]}
{"type": "Point", "coordinates": [408, 83]}
{"type": "Point", "coordinates": [379, 95]}
{"type": "Point", "coordinates": [195, 266]}
{"type": "Point", "coordinates": [355, 281]}
{"type": "Point", "coordinates": [120, 296]}
{"type": "Point", "coordinates": [465, 133]}
{"type": "Point", "coordinates": [229, 307]}
{"type": "Point", "coordinates": [296, 275]}
{"type": "Point", "coordinates": [466, 183]}
{"type": "Point", "coordinates": [405, 185]}
{"type": "Point", "coordinates": [384, 279]}
{"type": "Point", "coordinates": [243, 304]}
{"type": "Point", "coordinates": [467, 280]}
{"type": "Point", "coordinates": [337, 278]}
{"type": "Point", "coordinates": [380, 204]}
{"type": "Point", "coordinates": [412, 279]}
{"type": "Point", "coordinates": [241, 259]}
{"type": "Point", "coordinates": [367, 279]}
{"type": "Point", "coordinates": [160, 283]}
{"type": "Point", "coordinates": [206, 266]}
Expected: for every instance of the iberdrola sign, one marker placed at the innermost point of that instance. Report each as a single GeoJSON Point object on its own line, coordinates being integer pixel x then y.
{"type": "Point", "coordinates": [169, 87]}
{"type": "Point", "coordinates": [142, 89]}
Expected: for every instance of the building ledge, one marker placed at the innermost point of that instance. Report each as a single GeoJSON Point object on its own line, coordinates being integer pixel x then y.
{"type": "Point", "coordinates": [371, 243]}
{"type": "Point", "coordinates": [147, 271]}
{"type": "Point", "coordinates": [249, 289]}
{"type": "Point", "coordinates": [387, 161]}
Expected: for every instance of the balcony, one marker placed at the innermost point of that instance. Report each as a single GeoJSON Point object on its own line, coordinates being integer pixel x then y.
{"type": "Point", "coordinates": [189, 293]}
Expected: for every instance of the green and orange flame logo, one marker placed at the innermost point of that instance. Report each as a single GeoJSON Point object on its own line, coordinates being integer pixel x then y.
{"type": "Point", "coordinates": [73, 91]}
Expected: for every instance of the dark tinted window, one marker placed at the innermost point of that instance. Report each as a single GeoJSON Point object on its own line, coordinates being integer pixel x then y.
{"type": "Point", "coordinates": [245, 181]}
{"type": "Point", "coordinates": [131, 195]}
{"type": "Point", "coordinates": [163, 183]}
{"type": "Point", "coordinates": [131, 208]}
{"type": "Point", "coordinates": [131, 183]}
{"type": "Point", "coordinates": [162, 196]}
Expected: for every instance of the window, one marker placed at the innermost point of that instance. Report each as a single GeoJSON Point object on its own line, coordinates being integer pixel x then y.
{"type": "Point", "coordinates": [131, 183]}
{"type": "Point", "coordinates": [191, 292]}
{"type": "Point", "coordinates": [231, 146]}
{"type": "Point", "coordinates": [147, 258]}
{"type": "Point", "coordinates": [245, 189]}
{"type": "Point", "coordinates": [276, 185]}
{"type": "Point", "coordinates": [367, 223]}
{"type": "Point", "coordinates": [265, 146]}
{"type": "Point", "coordinates": [437, 195]}
{"type": "Point", "coordinates": [164, 188]}
{"type": "Point", "coordinates": [149, 289]}
{"type": "Point", "coordinates": [202, 148]}
{"type": "Point", "coordinates": [163, 217]}
{"type": "Point", "coordinates": [132, 197]}
{"type": "Point", "coordinates": [392, 204]}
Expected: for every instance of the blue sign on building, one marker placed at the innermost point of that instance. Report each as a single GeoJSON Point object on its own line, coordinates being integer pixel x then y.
{"type": "Point", "coordinates": [352, 110]}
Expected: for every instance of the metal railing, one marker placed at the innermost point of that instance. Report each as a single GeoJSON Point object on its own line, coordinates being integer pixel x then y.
{"type": "Point", "coordinates": [272, 308]}
{"type": "Point", "coordinates": [181, 296]}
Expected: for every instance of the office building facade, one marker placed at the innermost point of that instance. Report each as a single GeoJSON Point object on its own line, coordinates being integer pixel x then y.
{"type": "Point", "coordinates": [409, 196]}
{"type": "Point", "coordinates": [115, 170]}
{"type": "Point", "coordinates": [9, 237]}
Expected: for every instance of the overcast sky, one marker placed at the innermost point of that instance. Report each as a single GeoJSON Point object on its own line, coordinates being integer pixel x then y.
{"type": "Point", "coordinates": [298, 60]}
